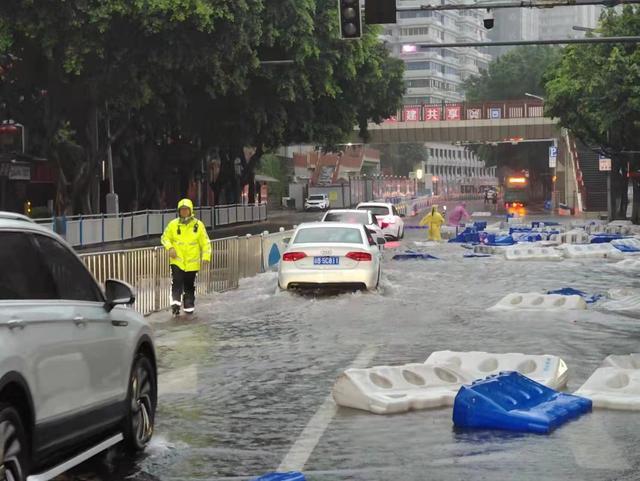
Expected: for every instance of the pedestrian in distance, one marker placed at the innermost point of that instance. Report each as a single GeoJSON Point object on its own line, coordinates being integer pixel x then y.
{"type": "Point", "coordinates": [433, 220]}
{"type": "Point", "coordinates": [188, 245]}
{"type": "Point", "coordinates": [486, 196]}
{"type": "Point", "coordinates": [458, 215]}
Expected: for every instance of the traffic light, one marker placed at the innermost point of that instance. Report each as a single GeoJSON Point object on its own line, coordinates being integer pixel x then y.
{"type": "Point", "coordinates": [380, 12]}
{"type": "Point", "coordinates": [350, 19]}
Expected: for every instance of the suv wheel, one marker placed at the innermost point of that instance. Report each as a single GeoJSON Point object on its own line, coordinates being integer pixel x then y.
{"type": "Point", "coordinates": [141, 405]}
{"type": "Point", "coordinates": [13, 445]}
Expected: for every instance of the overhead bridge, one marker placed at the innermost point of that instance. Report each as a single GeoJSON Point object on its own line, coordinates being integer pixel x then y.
{"type": "Point", "coordinates": [509, 121]}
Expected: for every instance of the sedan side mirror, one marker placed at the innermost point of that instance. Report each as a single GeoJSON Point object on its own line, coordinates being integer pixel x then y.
{"type": "Point", "coordinates": [118, 293]}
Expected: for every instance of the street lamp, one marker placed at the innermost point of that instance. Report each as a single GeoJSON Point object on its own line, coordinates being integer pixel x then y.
{"type": "Point", "coordinates": [534, 96]}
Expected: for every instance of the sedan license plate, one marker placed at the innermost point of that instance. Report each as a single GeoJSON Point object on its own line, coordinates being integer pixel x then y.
{"type": "Point", "coordinates": [326, 261]}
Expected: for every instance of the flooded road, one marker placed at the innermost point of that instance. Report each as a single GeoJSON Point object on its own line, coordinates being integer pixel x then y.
{"type": "Point", "coordinates": [245, 385]}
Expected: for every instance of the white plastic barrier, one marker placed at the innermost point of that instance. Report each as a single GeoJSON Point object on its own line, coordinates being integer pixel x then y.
{"type": "Point", "coordinates": [524, 253]}
{"type": "Point", "coordinates": [613, 388]}
{"type": "Point", "coordinates": [273, 246]}
{"type": "Point", "coordinates": [626, 361]}
{"type": "Point", "coordinates": [395, 389]}
{"type": "Point", "coordinates": [549, 370]}
{"type": "Point", "coordinates": [571, 237]}
{"type": "Point", "coordinates": [481, 214]}
{"type": "Point", "coordinates": [481, 249]}
{"type": "Point", "coordinates": [535, 301]}
{"type": "Point", "coordinates": [578, 251]}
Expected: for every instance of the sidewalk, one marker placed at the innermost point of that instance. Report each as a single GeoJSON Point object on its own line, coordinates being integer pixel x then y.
{"type": "Point", "coordinates": [277, 219]}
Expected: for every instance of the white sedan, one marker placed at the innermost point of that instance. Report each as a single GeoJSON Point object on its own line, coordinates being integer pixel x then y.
{"type": "Point", "coordinates": [351, 216]}
{"type": "Point", "coordinates": [335, 255]}
{"type": "Point", "coordinates": [388, 218]}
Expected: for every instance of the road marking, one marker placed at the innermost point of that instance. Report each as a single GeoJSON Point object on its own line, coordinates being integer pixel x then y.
{"type": "Point", "coordinates": [302, 449]}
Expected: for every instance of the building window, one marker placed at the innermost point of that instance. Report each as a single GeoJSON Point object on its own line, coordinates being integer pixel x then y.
{"type": "Point", "coordinates": [418, 65]}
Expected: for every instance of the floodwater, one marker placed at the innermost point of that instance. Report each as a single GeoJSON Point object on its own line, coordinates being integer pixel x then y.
{"type": "Point", "coordinates": [245, 384]}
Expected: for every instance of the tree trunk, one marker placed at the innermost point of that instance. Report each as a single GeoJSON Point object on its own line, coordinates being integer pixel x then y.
{"type": "Point", "coordinates": [635, 206]}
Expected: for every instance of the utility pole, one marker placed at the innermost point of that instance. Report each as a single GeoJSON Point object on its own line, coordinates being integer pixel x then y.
{"type": "Point", "coordinates": [112, 197]}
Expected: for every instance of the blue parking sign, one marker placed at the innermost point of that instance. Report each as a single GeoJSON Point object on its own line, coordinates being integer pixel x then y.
{"type": "Point", "coordinates": [495, 113]}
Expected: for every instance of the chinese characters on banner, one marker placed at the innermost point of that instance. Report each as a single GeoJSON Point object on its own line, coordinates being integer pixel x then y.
{"type": "Point", "coordinates": [453, 112]}
{"type": "Point", "coordinates": [411, 113]}
{"type": "Point", "coordinates": [432, 112]}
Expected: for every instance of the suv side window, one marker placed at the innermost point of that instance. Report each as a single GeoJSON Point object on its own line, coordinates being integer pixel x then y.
{"type": "Point", "coordinates": [69, 274]}
{"type": "Point", "coordinates": [23, 275]}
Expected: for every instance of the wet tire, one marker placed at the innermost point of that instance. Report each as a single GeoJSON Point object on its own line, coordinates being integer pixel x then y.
{"type": "Point", "coordinates": [141, 405]}
{"type": "Point", "coordinates": [13, 446]}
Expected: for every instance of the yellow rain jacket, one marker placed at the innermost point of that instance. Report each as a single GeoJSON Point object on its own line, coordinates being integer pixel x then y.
{"type": "Point", "coordinates": [189, 239]}
{"type": "Point", "coordinates": [434, 221]}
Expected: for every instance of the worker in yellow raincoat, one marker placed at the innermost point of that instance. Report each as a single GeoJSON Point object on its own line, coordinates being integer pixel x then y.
{"type": "Point", "coordinates": [434, 221]}
{"type": "Point", "coordinates": [187, 242]}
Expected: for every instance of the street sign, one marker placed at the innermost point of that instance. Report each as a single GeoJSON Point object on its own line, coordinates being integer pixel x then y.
{"type": "Point", "coordinates": [605, 163]}
{"type": "Point", "coordinates": [553, 157]}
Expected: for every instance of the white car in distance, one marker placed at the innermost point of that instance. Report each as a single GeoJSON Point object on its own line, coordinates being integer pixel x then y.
{"type": "Point", "coordinates": [389, 219]}
{"type": "Point", "coordinates": [330, 255]}
{"type": "Point", "coordinates": [352, 216]}
{"type": "Point", "coordinates": [317, 202]}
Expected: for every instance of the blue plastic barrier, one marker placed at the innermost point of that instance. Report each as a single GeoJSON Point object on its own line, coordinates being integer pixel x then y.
{"type": "Point", "coordinates": [291, 476]}
{"type": "Point", "coordinates": [519, 229]}
{"type": "Point", "coordinates": [470, 234]}
{"type": "Point", "coordinates": [480, 225]}
{"type": "Point", "coordinates": [545, 223]}
{"type": "Point", "coordinates": [494, 241]}
{"type": "Point", "coordinates": [408, 256]}
{"type": "Point", "coordinates": [513, 402]}
{"type": "Point", "coordinates": [570, 291]}
{"type": "Point", "coordinates": [624, 248]}
{"type": "Point", "coordinates": [604, 238]}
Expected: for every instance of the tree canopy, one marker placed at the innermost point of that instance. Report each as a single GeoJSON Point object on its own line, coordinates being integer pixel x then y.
{"type": "Point", "coordinates": [179, 81]}
{"type": "Point", "coordinates": [515, 73]}
{"type": "Point", "coordinates": [595, 92]}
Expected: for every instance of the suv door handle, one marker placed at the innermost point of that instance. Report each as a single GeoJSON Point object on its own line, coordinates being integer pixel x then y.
{"type": "Point", "coordinates": [79, 321]}
{"type": "Point", "coordinates": [16, 324]}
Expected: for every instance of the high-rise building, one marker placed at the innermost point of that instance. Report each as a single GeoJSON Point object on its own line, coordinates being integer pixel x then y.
{"type": "Point", "coordinates": [558, 22]}
{"type": "Point", "coordinates": [536, 24]}
{"type": "Point", "coordinates": [436, 75]}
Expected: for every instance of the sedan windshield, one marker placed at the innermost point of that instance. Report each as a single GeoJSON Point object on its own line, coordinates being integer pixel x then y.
{"type": "Point", "coordinates": [340, 235]}
{"type": "Point", "coordinates": [316, 197]}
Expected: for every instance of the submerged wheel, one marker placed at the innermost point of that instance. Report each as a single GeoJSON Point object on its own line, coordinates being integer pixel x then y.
{"type": "Point", "coordinates": [13, 445]}
{"type": "Point", "coordinates": [141, 405]}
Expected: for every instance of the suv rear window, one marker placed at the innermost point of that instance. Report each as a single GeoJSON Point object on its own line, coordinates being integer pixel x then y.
{"type": "Point", "coordinates": [339, 235]}
{"type": "Point", "coordinates": [23, 275]}
{"type": "Point", "coordinates": [375, 209]}
{"type": "Point", "coordinates": [316, 197]}
{"type": "Point", "coordinates": [348, 217]}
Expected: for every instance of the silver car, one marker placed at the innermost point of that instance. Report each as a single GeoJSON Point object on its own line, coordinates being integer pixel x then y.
{"type": "Point", "coordinates": [330, 255]}
{"type": "Point", "coordinates": [77, 367]}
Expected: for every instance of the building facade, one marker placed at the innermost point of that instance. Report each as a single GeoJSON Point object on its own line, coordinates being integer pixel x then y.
{"type": "Point", "coordinates": [436, 75]}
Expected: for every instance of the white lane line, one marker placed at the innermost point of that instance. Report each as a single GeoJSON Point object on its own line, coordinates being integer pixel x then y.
{"type": "Point", "coordinates": [301, 450]}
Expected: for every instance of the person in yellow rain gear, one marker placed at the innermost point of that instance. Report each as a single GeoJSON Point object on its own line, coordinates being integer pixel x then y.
{"type": "Point", "coordinates": [434, 221]}
{"type": "Point", "coordinates": [187, 242]}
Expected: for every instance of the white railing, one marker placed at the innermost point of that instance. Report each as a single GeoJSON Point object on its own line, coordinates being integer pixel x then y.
{"type": "Point", "coordinates": [80, 231]}
{"type": "Point", "coordinates": [148, 270]}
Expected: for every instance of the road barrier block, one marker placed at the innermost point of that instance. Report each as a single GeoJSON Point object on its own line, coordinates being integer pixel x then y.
{"type": "Point", "coordinates": [395, 389]}
{"type": "Point", "coordinates": [513, 402]}
{"type": "Point", "coordinates": [290, 476]}
{"type": "Point", "coordinates": [546, 369]}
{"type": "Point", "coordinates": [533, 301]}
{"type": "Point", "coordinates": [532, 253]}
{"type": "Point", "coordinates": [573, 251]}
{"type": "Point", "coordinates": [613, 388]}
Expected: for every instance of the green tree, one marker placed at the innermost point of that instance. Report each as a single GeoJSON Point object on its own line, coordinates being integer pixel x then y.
{"type": "Point", "coordinates": [595, 92]}
{"type": "Point", "coordinates": [512, 75]}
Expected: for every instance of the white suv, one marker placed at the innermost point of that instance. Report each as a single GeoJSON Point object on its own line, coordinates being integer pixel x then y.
{"type": "Point", "coordinates": [389, 219]}
{"type": "Point", "coordinates": [77, 367]}
{"type": "Point", "coordinates": [317, 201]}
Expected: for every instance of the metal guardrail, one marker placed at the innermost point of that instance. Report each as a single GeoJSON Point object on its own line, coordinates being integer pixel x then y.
{"type": "Point", "coordinates": [147, 269]}
{"type": "Point", "coordinates": [87, 230]}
